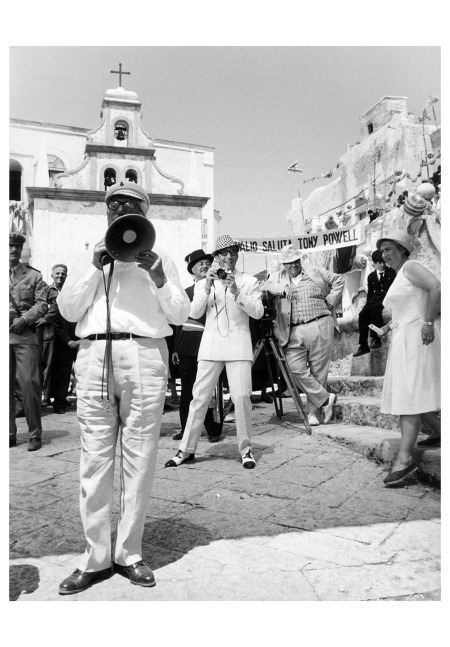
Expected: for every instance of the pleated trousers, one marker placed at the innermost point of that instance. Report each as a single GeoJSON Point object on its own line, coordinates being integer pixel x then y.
{"type": "Point", "coordinates": [309, 354]}
{"type": "Point", "coordinates": [129, 431]}
{"type": "Point", "coordinates": [239, 373]}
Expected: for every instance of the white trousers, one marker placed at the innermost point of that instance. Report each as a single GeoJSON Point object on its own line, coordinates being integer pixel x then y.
{"type": "Point", "coordinates": [239, 374]}
{"type": "Point", "coordinates": [309, 354]}
{"type": "Point", "coordinates": [131, 428]}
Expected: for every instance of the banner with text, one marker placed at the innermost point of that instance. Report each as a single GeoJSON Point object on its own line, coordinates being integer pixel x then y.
{"type": "Point", "coordinates": [322, 241]}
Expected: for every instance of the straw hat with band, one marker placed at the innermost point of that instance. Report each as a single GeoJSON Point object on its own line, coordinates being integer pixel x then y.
{"type": "Point", "coordinates": [289, 254]}
{"type": "Point", "coordinates": [224, 242]}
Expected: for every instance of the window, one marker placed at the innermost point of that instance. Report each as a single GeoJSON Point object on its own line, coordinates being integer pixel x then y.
{"type": "Point", "coordinates": [15, 180]}
{"type": "Point", "coordinates": [55, 166]}
{"type": "Point", "coordinates": [370, 128]}
{"type": "Point", "coordinates": [109, 177]}
{"type": "Point", "coordinates": [131, 176]}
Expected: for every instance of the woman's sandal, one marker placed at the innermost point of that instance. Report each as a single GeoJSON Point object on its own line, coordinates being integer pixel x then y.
{"type": "Point", "coordinates": [397, 477]}
{"type": "Point", "coordinates": [178, 459]}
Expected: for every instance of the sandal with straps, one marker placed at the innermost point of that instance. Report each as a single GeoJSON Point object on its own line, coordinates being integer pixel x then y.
{"type": "Point", "coordinates": [178, 459]}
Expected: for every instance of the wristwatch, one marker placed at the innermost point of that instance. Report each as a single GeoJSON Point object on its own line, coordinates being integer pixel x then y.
{"type": "Point", "coordinates": [429, 323]}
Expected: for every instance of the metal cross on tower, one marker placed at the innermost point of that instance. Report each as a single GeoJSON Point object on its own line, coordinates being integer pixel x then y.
{"type": "Point", "coordinates": [120, 74]}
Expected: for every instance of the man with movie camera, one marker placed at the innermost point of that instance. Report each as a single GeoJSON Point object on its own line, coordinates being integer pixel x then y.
{"type": "Point", "coordinates": [304, 325]}
{"type": "Point", "coordinates": [228, 297]}
{"type": "Point", "coordinates": [123, 312]}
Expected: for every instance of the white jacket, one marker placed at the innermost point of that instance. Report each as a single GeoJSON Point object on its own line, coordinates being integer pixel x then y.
{"type": "Point", "coordinates": [227, 335]}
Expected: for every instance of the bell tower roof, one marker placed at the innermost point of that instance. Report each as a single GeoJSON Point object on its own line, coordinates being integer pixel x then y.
{"type": "Point", "coordinates": [121, 96]}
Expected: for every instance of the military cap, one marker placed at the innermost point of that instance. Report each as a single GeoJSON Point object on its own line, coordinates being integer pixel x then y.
{"type": "Point", "coordinates": [16, 238]}
{"type": "Point", "coordinates": [131, 190]}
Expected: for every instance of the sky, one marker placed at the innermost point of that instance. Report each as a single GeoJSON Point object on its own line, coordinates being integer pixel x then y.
{"type": "Point", "coordinates": [261, 108]}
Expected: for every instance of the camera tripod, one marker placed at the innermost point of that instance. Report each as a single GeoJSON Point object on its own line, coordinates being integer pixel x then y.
{"type": "Point", "coordinates": [269, 344]}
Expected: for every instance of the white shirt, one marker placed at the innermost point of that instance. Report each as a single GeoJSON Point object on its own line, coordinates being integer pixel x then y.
{"type": "Point", "coordinates": [136, 305]}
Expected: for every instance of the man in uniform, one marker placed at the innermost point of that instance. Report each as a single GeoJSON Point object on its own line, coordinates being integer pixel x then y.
{"type": "Point", "coordinates": [304, 325]}
{"type": "Point", "coordinates": [226, 343]}
{"type": "Point", "coordinates": [121, 388]}
{"type": "Point", "coordinates": [27, 304]}
{"type": "Point", "coordinates": [378, 283]}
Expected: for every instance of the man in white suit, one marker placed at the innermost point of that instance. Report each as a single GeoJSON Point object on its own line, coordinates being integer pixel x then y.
{"type": "Point", "coordinates": [226, 342]}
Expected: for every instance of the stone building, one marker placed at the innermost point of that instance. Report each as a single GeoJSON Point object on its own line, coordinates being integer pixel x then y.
{"type": "Point", "coordinates": [59, 175]}
{"type": "Point", "coordinates": [392, 148]}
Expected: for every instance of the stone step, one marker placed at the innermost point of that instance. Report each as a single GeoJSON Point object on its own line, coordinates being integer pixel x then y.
{"type": "Point", "coordinates": [363, 411]}
{"type": "Point", "coordinates": [356, 385]}
{"type": "Point", "coordinates": [382, 445]}
{"type": "Point", "coordinates": [373, 363]}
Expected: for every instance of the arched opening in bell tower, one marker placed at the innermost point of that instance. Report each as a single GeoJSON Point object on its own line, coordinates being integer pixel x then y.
{"type": "Point", "coordinates": [109, 177]}
{"type": "Point", "coordinates": [121, 132]}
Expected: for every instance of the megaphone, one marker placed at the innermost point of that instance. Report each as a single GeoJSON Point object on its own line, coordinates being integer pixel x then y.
{"type": "Point", "coordinates": [128, 235]}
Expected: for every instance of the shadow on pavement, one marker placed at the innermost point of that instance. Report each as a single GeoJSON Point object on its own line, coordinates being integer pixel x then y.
{"type": "Point", "coordinates": [23, 578]}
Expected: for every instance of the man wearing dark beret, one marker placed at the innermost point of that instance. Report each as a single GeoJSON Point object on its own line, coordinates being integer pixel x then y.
{"type": "Point", "coordinates": [27, 304]}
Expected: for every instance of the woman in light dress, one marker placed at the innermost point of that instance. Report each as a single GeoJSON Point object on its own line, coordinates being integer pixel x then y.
{"type": "Point", "coordinates": [412, 381]}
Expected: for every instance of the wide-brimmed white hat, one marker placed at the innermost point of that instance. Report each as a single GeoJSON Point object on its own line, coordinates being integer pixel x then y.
{"type": "Point", "coordinates": [289, 254]}
{"type": "Point", "coordinates": [398, 236]}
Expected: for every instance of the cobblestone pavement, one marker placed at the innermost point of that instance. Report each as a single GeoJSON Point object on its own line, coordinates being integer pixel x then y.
{"type": "Point", "coordinates": [311, 522]}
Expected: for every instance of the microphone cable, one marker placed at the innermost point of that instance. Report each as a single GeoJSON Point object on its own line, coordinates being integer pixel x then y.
{"type": "Point", "coordinates": [107, 362]}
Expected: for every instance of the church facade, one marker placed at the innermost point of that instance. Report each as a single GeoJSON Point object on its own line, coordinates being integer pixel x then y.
{"type": "Point", "coordinates": [59, 175]}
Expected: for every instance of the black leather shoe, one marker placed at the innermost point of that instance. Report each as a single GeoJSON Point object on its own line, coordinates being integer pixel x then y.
{"type": "Point", "coordinates": [138, 573]}
{"type": "Point", "coordinates": [12, 441]}
{"type": "Point", "coordinates": [375, 343]}
{"type": "Point", "coordinates": [45, 402]}
{"type": "Point", "coordinates": [34, 444]}
{"type": "Point", "coordinates": [80, 580]}
{"type": "Point", "coordinates": [431, 441]}
{"type": "Point", "coordinates": [59, 409]}
{"type": "Point", "coordinates": [178, 436]}
{"type": "Point", "coordinates": [362, 350]}
{"type": "Point", "coordinates": [214, 439]}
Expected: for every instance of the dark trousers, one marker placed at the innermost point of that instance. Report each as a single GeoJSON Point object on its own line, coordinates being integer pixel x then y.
{"type": "Point", "coordinates": [24, 364]}
{"type": "Point", "coordinates": [370, 314]}
{"type": "Point", "coordinates": [188, 374]}
{"type": "Point", "coordinates": [47, 358]}
{"type": "Point", "coordinates": [61, 370]}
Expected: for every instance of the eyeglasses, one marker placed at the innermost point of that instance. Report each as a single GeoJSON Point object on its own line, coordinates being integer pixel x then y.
{"type": "Point", "coordinates": [115, 204]}
{"type": "Point", "coordinates": [232, 251]}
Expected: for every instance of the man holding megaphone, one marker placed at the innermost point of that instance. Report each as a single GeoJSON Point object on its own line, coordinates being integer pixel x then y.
{"type": "Point", "coordinates": [123, 305]}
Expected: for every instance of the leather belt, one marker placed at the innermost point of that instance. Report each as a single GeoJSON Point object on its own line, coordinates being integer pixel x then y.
{"type": "Point", "coordinates": [114, 335]}
{"type": "Point", "coordinates": [301, 323]}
